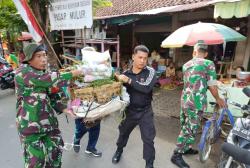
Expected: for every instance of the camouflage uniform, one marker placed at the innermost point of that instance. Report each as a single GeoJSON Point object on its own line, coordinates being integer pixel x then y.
{"type": "Point", "coordinates": [198, 74]}
{"type": "Point", "coordinates": [38, 94]}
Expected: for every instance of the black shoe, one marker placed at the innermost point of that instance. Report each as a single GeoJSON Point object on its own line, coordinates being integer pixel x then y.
{"type": "Point", "coordinates": [117, 156]}
{"type": "Point", "coordinates": [178, 161]}
{"type": "Point", "coordinates": [149, 164]}
{"type": "Point", "coordinates": [93, 152]}
{"type": "Point", "coordinates": [76, 148]}
{"type": "Point", "coordinates": [191, 151]}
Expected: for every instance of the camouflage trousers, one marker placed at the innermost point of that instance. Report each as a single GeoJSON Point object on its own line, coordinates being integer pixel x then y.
{"type": "Point", "coordinates": [42, 150]}
{"type": "Point", "coordinates": [190, 122]}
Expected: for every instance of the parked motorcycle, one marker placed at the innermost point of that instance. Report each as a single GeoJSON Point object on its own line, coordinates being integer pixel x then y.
{"type": "Point", "coordinates": [6, 75]}
{"type": "Point", "coordinates": [236, 149]}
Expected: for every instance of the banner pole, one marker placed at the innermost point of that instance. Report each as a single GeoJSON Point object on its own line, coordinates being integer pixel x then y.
{"type": "Point", "coordinates": [46, 38]}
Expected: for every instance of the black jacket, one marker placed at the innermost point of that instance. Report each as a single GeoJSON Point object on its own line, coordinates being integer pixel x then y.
{"type": "Point", "coordinates": [141, 87]}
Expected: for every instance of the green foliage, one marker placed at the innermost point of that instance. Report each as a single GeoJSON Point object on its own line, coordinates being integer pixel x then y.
{"type": "Point", "coordinates": [10, 20]}
{"type": "Point", "coordinates": [101, 3]}
{"type": "Point", "coordinates": [100, 82]}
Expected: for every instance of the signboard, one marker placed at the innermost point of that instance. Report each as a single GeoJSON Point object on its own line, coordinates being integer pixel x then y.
{"type": "Point", "coordinates": [70, 14]}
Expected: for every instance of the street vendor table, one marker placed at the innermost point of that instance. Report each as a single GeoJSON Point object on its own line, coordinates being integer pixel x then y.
{"type": "Point", "coordinates": [234, 94]}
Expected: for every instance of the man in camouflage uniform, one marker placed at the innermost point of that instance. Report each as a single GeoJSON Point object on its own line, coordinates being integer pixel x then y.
{"type": "Point", "coordinates": [38, 96]}
{"type": "Point", "coordinates": [198, 75]}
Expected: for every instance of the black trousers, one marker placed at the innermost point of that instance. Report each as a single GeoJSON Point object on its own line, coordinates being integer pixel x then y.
{"type": "Point", "coordinates": [143, 118]}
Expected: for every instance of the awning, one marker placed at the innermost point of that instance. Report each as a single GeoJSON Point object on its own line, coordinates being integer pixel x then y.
{"type": "Point", "coordinates": [128, 21]}
{"type": "Point", "coordinates": [229, 9]}
{"type": "Point", "coordinates": [122, 20]}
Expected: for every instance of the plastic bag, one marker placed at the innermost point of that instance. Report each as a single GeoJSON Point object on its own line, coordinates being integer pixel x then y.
{"type": "Point", "coordinates": [125, 96]}
{"type": "Point", "coordinates": [96, 65]}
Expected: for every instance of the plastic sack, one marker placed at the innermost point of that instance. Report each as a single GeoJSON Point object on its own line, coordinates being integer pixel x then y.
{"type": "Point", "coordinates": [125, 96]}
{"type": "Point", "coordinates": [98, 112]}
{"type": "Point", "coordinates": [96, 65]}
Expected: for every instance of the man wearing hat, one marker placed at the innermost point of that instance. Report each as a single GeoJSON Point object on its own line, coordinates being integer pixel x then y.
{"type": "Point", "coordinates": [198, 75]}
{"type": "Point", "coordinates": [37, 102]}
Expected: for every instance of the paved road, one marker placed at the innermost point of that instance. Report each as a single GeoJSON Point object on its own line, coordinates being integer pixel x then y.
{"type": "Point", "coordinates": [11, 154]}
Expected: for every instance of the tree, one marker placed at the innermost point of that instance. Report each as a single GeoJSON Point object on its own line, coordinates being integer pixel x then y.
{"type": "Point", "coordinates": [11, 24]}
{"type": "Point", "coordinates": [101, 3]}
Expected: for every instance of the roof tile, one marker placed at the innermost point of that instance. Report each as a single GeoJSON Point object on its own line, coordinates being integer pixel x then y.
{"type": "Point", "coordinates": [123, 7]}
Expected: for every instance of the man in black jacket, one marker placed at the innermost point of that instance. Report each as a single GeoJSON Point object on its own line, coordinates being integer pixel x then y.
{"type": "Point", "coordinates": [139, 81]}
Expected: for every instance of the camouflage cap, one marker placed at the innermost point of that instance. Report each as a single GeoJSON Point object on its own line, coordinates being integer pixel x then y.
{"type": "Point", "coordinates": [201, 45]}
{"type": "Point", "coordinates": [32, 48]}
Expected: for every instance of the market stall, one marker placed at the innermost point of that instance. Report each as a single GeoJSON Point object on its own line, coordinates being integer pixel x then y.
{"type": "Point", "coordinates": [210, 34]}
{"type": "Point", "coordinates": [80, 42]}
{"type": "Point", "coordinates": [234, 94]}
{"type": "Point", "coordinates": [233, 88]}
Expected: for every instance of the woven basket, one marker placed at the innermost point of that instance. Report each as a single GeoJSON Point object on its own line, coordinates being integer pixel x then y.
{"type": "Point", "coordinates": [84, 93]}
{"type": "Point", "coordinates": [116, 88]}
{"type": "Point", "coordinates": [101, 94]}
{"type": "Point", "coordinates": [105, 93]}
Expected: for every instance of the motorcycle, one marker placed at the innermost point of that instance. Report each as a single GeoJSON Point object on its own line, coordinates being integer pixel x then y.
{"type": "Point", "coordinates": [6, 75]}
{"type": "Point", "coordinates": [236, 149]}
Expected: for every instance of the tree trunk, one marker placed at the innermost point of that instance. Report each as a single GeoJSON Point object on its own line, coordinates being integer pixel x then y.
{"type": "Point", "coordinates": [47, 20]}
{"type": "Point", "coordinates": [36, 11]}
{"type": "Point", "coordinates": [45, 27]}
{"type": "Point", "coordinates": [10, 44]}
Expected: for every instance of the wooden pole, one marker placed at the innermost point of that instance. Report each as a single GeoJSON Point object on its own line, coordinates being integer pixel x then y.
{"type": "Point", "coordinates": [53, 50]}
{"type": "Point", "coordinates": [72, 59]}
{"type": "Point", "coordinates": [46, 38]}
{"type": "Point", "coordinates": [102, 46]}
{"type": "Point", "coordinates": [62, 35]}
{"type": "Point", "coordinates": [1, 46]}
{"type": "Point", "coordinates": [84, 36]}
{"type": "Point", "coordinates": [118, 51]}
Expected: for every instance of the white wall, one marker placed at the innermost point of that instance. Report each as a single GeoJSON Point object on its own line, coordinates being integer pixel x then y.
{"type": "Point", "coordinates": [242, 53]}
{"type": "Point", "coordinates": [247, 52]}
